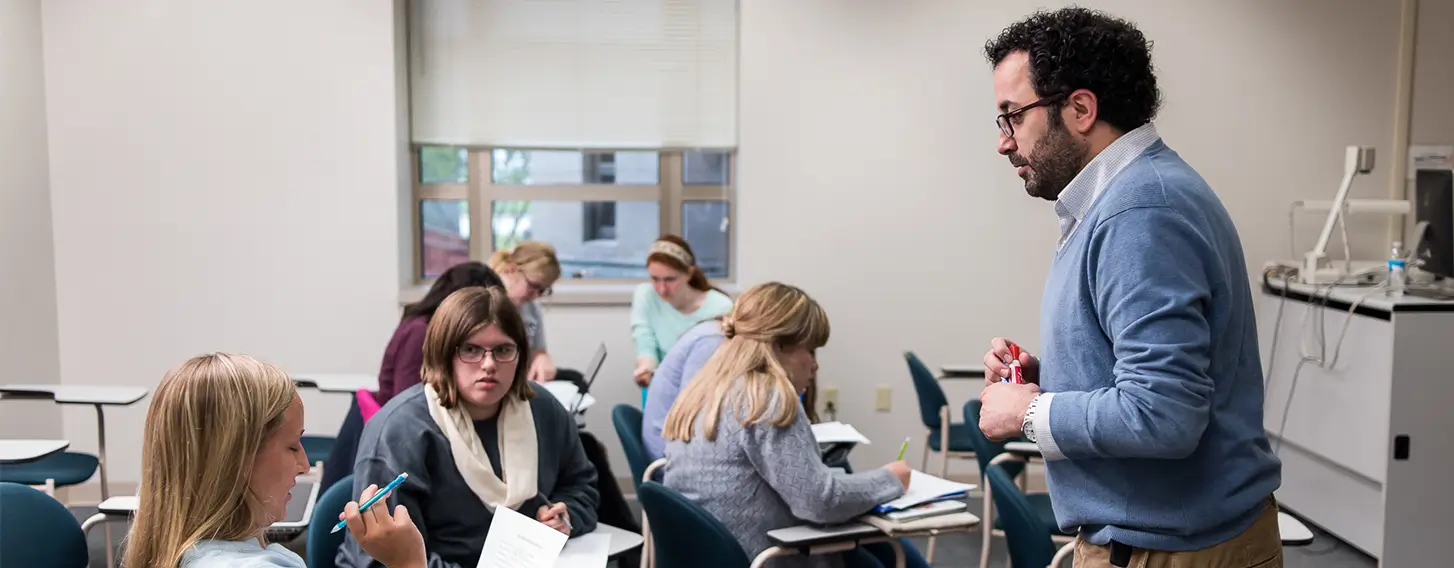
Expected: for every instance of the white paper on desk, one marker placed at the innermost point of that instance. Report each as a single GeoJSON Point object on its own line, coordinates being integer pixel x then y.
{"type": "Point", "coordinates": [838, 433]}
{"type": "Point", "coordinates": [567, 394]}
{"type": "Point", "coordinates": [518, 541]}
{"type": "Point", "coordinates": [586, 551]}
{"type": "Point", "coordinates": [924, 488]}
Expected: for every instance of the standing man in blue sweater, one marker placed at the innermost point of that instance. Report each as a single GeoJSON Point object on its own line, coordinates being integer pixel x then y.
{"type": "Point", "coordinates": [1147, 400]}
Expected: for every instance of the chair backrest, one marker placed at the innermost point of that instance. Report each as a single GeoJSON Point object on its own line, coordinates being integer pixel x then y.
{"type": "Point", "coordinates": [367, 404]}
{"type": "Point", "coordinates": [627, 420]}
{"type": "Point", "coordinates": [984, 449]}
{"type": "Point", "coordinates": [322, 544]}
{"type": "Point", "coordinates": [1027, 537]}
{"type": "Point", "coordinates": [684, 535]}
{"type": "Point", "coordinates": [931, 395]}
{"type": "Point", "coordinates": [37, 530]}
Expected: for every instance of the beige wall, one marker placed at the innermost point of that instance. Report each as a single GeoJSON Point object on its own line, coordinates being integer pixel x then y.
{"type": "Point", "coordinates": [1433, 121]}
{"type": "Point", "coordinates": [27, 268]}
{"type": "Point", "coordinates": [224, 177]}
{"type": "Point", "coordinates": [868, 176]}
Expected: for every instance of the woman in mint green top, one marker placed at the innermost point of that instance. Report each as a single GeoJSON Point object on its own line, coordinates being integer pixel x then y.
{"type": "Point", "coordinates": [677, 298]}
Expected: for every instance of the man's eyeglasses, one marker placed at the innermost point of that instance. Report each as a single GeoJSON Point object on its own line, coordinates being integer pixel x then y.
{"type": "Point", "coordinates": [470, 353]}
{"type": "Point", "coordinates": [1004, 119]}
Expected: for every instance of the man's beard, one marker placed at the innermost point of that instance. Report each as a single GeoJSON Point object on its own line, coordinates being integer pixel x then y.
{"type": "Point", "coordinates": [1056, 160]}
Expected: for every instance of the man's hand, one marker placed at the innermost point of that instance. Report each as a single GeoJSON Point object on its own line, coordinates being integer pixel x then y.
{"type": "Point", "coordinates": [1003, 414]}
{"type": "Point", "coordinates": [996, 367]}
{"type": "Point", "coordinates": [555, 516]}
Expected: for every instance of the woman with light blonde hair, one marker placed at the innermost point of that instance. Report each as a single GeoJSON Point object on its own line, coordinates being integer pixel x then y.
{"type": "Point", "coordinates": [738, 439]}
{"type": "Point", "coordinates": [529, 270]}
{"type": "Point", "coordinates": [220, 454]}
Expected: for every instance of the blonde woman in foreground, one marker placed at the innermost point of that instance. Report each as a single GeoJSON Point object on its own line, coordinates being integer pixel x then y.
{"type": "Point", "coordinates": [220, 455]}
{"type": "Point", "coordinates": [739, 443]}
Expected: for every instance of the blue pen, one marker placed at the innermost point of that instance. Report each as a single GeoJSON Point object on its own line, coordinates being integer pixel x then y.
{"type": "Point", "coordinates": [376, 497]}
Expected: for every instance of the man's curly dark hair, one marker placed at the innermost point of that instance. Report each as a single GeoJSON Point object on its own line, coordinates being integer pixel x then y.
{"type": "Point", "coordinates": [1077, 48]}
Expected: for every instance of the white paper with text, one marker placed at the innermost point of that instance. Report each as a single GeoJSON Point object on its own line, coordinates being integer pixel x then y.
{"type": "Point", "coordinates": [518, 541]}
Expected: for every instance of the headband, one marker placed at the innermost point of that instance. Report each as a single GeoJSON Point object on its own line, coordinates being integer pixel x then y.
{"type": "Point", "coordinates": [673, 250]}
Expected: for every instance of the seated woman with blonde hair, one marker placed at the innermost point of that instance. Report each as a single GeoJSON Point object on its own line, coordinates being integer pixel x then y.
{"type": "Point", "coordinates": [474, 437]}
{"type": "Point", "coordinates": [220, 454]}
{"type": "Point", "coordinates": [739, 443]}
{"type": "Point", "coordinates": [529, 269]}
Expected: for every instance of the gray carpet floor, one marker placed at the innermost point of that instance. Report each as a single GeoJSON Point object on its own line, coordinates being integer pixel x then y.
{"type": "Point", "coordinates": [955, 551]}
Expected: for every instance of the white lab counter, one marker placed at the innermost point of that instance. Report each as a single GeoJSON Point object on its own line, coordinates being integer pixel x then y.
{"type": "Point", "coordinates": [1365, 445]}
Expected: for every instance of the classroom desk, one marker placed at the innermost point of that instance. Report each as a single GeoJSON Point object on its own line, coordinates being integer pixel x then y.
{"type": "Point", "coordinates": [97, 396]}
{"type": "Point", "coordinates": [295, 521]}
{"type": "Point", "coordinates": [961, 372]}
{"type": "Point", "coordinates": [346, 383]}
{"type": "Point", "coordinates": [21, 451]}
{"type": "Point", "coordinates": [813, 540]}
{"type": "Point", "coordinates": [622, 540]}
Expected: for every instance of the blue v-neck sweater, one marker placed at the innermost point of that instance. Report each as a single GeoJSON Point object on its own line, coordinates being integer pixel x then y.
{"type": "Point", "coordinates": [1150, 346]}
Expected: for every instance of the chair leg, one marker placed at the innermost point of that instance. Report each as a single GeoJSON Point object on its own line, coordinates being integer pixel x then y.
{"type": "Point", "coordinates": [924, 464]}
{"type": "Point", "coordinates": [986, 525]}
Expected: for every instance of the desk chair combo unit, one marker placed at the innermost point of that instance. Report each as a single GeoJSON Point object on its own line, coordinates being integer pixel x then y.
{"type": "Point", "coordinates": [993, 455]}
{"type": "Point", "coordinates": [950, 440]}
{"type": "Point", "coordinates": [64, 469]}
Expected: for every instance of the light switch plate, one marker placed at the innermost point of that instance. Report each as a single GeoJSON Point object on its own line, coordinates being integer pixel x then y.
{"type": "Point", "coordinates": [885, 399]}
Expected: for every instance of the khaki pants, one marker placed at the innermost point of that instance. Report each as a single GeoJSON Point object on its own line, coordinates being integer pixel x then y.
{"type": "Point", "coordinates": [1260, 546]}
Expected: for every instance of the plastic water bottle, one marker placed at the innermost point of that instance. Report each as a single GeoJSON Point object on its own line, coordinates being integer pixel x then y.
{"type": "Point", "coordinates": [1396, 276]}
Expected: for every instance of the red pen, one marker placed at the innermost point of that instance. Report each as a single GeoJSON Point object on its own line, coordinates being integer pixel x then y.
{"type": "Point", "coordinates": [1017, 376]}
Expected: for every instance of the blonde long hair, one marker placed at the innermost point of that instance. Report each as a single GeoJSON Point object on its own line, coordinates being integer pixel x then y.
{"type": "Point", "coordinates": [765, 316]}
{"type": "Point", "coordinates": [536, 259]}
{"type": "Point", "coordinates": [207, 420]}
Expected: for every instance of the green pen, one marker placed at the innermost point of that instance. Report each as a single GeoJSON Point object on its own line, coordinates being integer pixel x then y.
{"type": "Point", "coordinates": [902, 449]}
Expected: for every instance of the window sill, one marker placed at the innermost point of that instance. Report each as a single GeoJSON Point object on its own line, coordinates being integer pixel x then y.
{"type": "Point", "coordinates": [567, 293]}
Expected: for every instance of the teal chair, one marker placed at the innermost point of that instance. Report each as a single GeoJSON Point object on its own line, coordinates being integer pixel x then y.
{"type": "Point", "coordinates": [686, 535]}
{"type": "Point", "coordinates": [1031, 541]}
{"type": "Point", "coordinates": [934, 412]}
{"type": "Point", "coordinates": [627, 420]}
{"type": "Point", "coordinates": [37, 530]}
{"type": "Point", "coordinates": [62, 469]}
{"type": "Point", "coordinates": [987, 452]}
{"type": "Point", "coordinates": [322, 544]}
{"type": "Point", "coordinates": [949, 439]}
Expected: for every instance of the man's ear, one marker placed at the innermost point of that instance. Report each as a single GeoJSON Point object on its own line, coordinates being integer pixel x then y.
{"type": "Point", "coordinates": [1081, 111]}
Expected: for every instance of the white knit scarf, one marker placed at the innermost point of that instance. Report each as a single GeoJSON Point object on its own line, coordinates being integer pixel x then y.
{"type": "Point", "coordinates": [518, 451]}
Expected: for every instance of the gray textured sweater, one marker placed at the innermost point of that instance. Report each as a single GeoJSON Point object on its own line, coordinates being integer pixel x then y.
{"type": "Point", "coordinates": [759, 478]}
{"type": "Point", "coordinates": [403, 437]}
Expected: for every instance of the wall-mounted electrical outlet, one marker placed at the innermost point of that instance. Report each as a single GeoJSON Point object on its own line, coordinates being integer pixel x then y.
{"type": "Point", "coordinates": [830, 395]}
{"type": "Point", "coordinates": [885, 399]}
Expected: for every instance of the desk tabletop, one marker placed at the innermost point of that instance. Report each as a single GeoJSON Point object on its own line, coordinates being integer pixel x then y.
{"type": "Point", "coordinates": [806, 535]}
{"type": "Point", "coordinates": [1022, 448]}
{"type": "Point", "coordinates": [1366, 297]}
{"type": "Point", "coordinates": [1294, 532]}
{"type": "Point", "coordinates": [300, 506]}
{"type": "Point", "coordinates": [961, 372]}
{"type": "Point", "coordinates": [348, 383]}
{"type": "Point", "coordinates": [622, 540]}
{"type": "Point", "coordinates": [21, 451]}
{"type": "Point", "coordinates": [77, 394]}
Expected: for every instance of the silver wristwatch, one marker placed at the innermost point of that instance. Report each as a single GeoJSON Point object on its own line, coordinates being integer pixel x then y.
{"type": "Point", "coordinates": [1028, 426]}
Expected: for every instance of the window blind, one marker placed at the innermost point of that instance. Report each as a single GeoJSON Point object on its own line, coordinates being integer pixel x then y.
{"type": "Point", "coordinates": [574, 73]}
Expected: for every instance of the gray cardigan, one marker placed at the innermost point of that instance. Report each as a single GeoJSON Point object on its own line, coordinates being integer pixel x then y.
{"type": "Point", "coordinates": [403, 437]}
{"type": "Point", "coordinates": [759, 478]}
